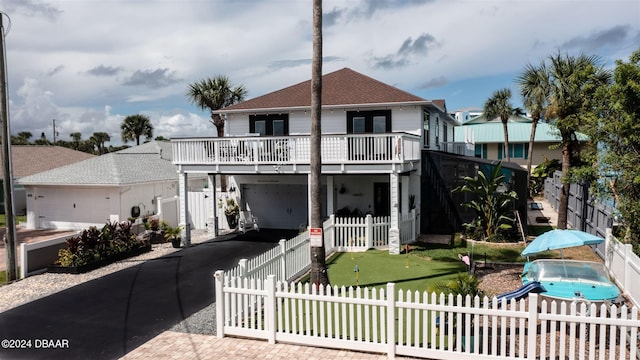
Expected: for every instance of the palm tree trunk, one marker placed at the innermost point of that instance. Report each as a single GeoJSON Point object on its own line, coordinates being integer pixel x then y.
{"type": "Point", "coordinates": [319, 274]}
{"type": "Point", "coordinates": [218, 122]}
{"type": "Point", "coordinates": [563, 206]}
{"type": "Point", "coordinates": [506, 141]}
{"type": "Point", "coordinates": [532, 138]}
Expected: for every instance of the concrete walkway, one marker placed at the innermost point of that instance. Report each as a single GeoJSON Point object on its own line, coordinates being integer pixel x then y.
{"type": "Point", "coordinates": [173, 345]}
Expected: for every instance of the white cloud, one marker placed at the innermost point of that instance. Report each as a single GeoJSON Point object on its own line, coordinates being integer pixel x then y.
{"type": "Point", "coordinates": [90, 64]}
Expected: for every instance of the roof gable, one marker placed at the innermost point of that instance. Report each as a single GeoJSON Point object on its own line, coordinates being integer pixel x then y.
{"type": "Point", "coordinates": [342, 87]}
{"type": "Point", "coordinates": [31, 159]}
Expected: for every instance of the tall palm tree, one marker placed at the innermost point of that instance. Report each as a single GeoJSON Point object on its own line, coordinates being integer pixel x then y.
{"type": "Point", "coordinates": [76, 137]}
{"type": "Point", "coordinates": [534, 88]}
{"type": "Point", "coordinates": [319, 274]}
{"type": "Point", "coordinates": [499, 105]}
{"type": "Point", "coordinates": [98, 139]}
{"type": "Point", "coordinates": [135, 126]}
{"type": "Point", "coordinates": [573, 84]}
{"type": "Point", "coordinates": [214, 94]}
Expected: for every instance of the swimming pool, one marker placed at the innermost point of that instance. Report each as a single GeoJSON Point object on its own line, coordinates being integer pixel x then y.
{"type": "Point", "coordinates": [572, 280]}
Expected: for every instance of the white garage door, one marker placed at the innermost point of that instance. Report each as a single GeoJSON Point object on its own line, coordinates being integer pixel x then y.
{"type": "Point", "coordinates": [72, 209]}
{"type": "Point", "coordinates": [277, 206]}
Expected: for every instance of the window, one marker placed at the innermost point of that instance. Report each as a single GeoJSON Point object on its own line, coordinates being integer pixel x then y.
{"type": "Point", "coordinates": [425, 128]}
{"type": "Point", "coordinates": [445, 136]}
{"type": "Point", "coordinates": [376, 121]}
{"type": "Point", "coordinates": [481, 151]}
{"type": "Point", "coordinates": [516, 151]}
{"type": "Point", "coordinates": [266, 125]}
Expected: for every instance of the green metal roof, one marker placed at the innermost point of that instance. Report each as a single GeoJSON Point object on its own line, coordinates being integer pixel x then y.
{"type": "Point", "coordinates": [519, 132]}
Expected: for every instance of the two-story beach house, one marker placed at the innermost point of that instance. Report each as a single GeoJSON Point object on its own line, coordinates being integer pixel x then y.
{"type": "Point", "coordinates": [374, 140]}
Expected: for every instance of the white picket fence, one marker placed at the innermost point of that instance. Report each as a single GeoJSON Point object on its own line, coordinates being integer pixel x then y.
{"type": "Point", "coordinates": [623, 265]}
{"type": "Point", "coordinates": [287, 261]}
{"type": "Point", "coordinates": [421, 325]}
{"type": "Point", "coordinates": [290, 258]}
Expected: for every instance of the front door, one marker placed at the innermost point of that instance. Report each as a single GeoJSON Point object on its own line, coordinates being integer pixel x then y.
{"type": "Point", "coordinates": [381, 202]}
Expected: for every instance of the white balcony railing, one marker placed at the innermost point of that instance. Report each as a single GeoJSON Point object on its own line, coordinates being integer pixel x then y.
{"type": "Point", "coordinates": [336, 149]}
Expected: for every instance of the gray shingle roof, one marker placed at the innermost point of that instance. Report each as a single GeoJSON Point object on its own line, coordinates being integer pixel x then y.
{"type": "Point", "coordinates": [150, 162]}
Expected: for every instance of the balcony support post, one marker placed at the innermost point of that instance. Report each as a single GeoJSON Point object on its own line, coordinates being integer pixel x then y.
{"type": "Point", "coordinates": [183, 191]}
{"type": "Point", "coordinates": [394, 226]}
{"type": "Point", "coordinates": [330, 195]}
{"type": "Point", "coordinates": [212, 205]}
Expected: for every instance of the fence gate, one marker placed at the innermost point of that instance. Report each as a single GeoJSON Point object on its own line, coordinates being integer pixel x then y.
{"type": "Point", "coordinates": [198, 209]}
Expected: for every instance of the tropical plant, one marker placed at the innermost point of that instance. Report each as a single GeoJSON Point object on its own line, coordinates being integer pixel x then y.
{"type": "Point", "coordinates": [98, 139]}
{"type": "Point", "coordinates": [464, 284]}
{"type": "Point", "coordinates": [538, 176]}
{"type": "Point", "coordinates": [232, 207]}
{"type": "Point", "coordinates": [499, 105]}
{"type": "Point", "coordinates": [172, 233]}
{"type": "Point", "coordinates": [93, 244]}
{"type": "Point", "coordinates": [493, 208]}
{"type": "Point", "coordinates": [534, 88]}
{"type": "Point", "coordinates": [76, 137]}
{"type": "Point", "coordinates": [135, 126]}
{"type": "Point", "coordinates": [214, 94]}
{"type": "Point", "coordinates": [617, 133]}
{"type": "Point", "coordinates": [22, 138]}
{"type": "Point", "coordinates": [574, 82]}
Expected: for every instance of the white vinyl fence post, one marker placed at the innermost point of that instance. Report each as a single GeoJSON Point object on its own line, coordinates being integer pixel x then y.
{"type": "Point", "coordinates": [270, 311]}
{"type": "Point", "coordinates": [242, 268]}
{"type": "Point", "coordinates": [283, 260]}
{"type": "Point", "coordinates": [219, 286]}
{"type": "Point", "coordinates": [332, 231]}
{"type": "Point", "coordinates": [368, 232]}
{"type": "Point", "coordinates": [391, 320]}
{"type": "Point", "coordinates": [532, 326]}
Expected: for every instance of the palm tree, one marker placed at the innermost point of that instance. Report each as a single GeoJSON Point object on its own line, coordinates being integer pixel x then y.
{"type": "Point", "coordinates": [214, 94]}
{"type": "Point", "coordinates": [573, 84]}
{"type": "Point", "coordinates": [534, 88]}
{"type": "Point", "coordinates": [135, 126]}
{"type": "Point", "coordinates": [319, 273]}
{"type": "Point", "coordinates": [22, 138]}
{"type": "Point", "coordinates": [98, 139]}
{"type": "Point", "coordinates": [76, 137]}
{"type": "Point", "coordinates": [499, 105]}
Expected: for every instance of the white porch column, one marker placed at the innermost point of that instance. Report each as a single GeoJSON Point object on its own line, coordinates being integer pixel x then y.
{"type": "Point", "coordinates": [330, 196]}
{"type": "Point", "coordinates": [183, 191]}
{"type": "Point", "coordinates": [394, 230]}
{"type": "Point", "coordinates": [212, 206]}
{"type": "Point", "coordinates": [406, 185]}
{"type": "Point", "coordinates": [309, 200]}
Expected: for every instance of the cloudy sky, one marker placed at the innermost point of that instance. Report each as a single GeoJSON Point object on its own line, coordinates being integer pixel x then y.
{"type": "Point", "coordinates": [90, 63]}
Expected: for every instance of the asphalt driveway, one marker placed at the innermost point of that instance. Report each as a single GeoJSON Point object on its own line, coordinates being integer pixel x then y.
{"type": "Point", "coordinates": [110, 316]}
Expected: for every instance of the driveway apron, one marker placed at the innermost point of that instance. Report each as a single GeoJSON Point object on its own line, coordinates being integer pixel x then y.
{"type": "Point", "coordinates": [110, 316]}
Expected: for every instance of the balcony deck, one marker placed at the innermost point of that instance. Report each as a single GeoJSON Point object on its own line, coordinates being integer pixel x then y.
{"type": "Point", "coordinates": [352, 153]}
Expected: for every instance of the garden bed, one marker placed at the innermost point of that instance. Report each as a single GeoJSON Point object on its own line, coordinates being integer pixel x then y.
{"type": "Point", "coordinates": [58, 269]}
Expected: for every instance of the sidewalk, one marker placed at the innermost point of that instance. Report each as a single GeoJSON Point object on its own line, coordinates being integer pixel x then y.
{"type": "Point", "coordinates": [174, 345]}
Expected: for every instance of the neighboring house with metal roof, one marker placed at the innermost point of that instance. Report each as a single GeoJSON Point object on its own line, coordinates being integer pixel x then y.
{"type": "Point", "coordinates": [102, 188]}
{"type": "Point", "coordinates": [31, 159]}
{"type": "Point", "coordinates": [489, 139]}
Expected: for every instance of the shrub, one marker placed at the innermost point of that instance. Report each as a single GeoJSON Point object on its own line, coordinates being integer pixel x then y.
{"type": "Point", "coordinates": [93, 244]}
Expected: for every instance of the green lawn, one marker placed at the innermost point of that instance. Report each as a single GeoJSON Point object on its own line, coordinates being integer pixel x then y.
{"type": "Point", "coordinates": [424, 265]}
{"type": "Point", "coordinates": [3, 219]}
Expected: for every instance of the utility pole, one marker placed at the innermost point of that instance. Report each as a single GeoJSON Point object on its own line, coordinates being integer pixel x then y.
{"type": "Point", "coordinates": [10, 235]}
{"type": "Point", "coordinates": [54, 131]}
